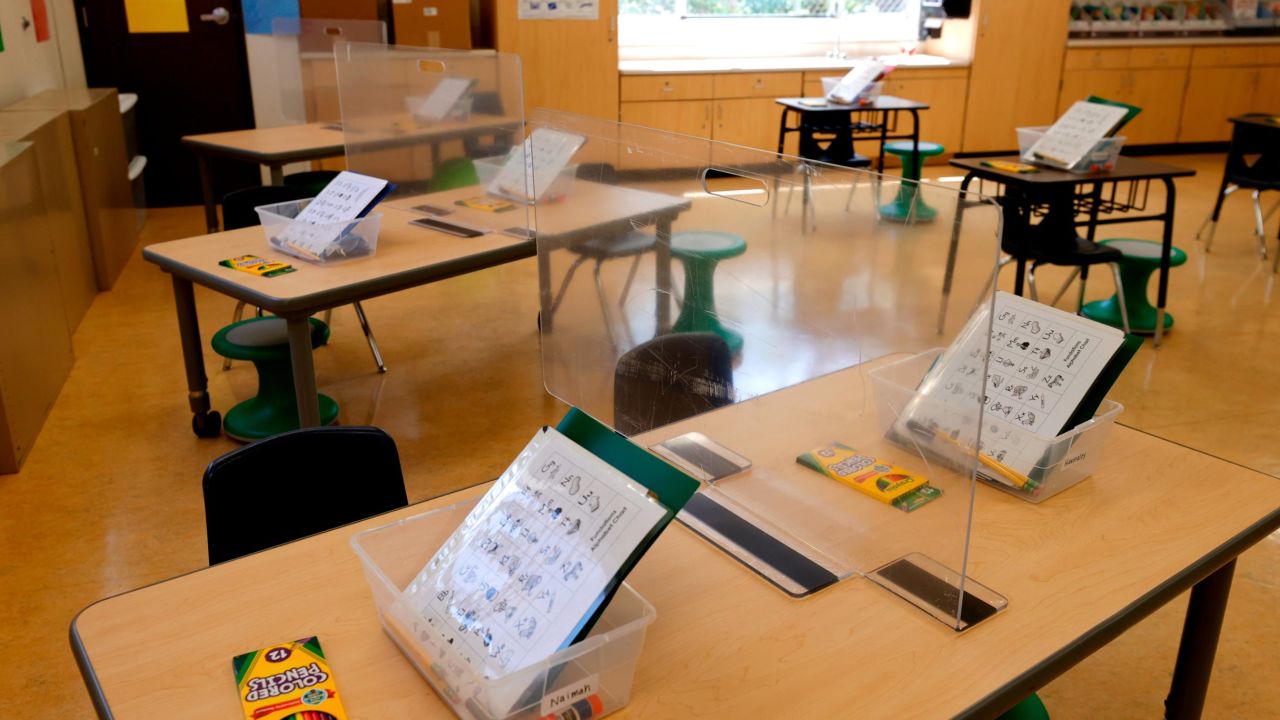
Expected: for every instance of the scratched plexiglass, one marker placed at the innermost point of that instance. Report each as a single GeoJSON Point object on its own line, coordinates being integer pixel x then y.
{"type": "Point", "coordinates": [694, 286]}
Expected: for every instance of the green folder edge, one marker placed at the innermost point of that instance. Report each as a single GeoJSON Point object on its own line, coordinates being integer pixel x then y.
{"type": "Point", "coordinates": [1131, 112]}
{"type": "Point", "coordinates": [673, 488]}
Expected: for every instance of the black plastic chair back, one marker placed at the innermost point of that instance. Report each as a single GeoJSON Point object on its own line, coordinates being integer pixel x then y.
{"type": "Point", "coordinates": [598, 172]}
{"type": "Point", "coordinates": [823, 141]}
{"type": "Point", "coordinates": [313, 181]}
{"type": "Point", "coordinates": [1254, 158]}
{"type": "Point", "coordinates": [238, 206]}
{"type": "Point", "coordinates": [671, 378]}
{"type": "Point", "coordinates": [297, 484]}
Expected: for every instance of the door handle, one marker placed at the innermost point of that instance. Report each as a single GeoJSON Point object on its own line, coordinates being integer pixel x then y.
{"type": "Point", "coordinates": [219, 16]}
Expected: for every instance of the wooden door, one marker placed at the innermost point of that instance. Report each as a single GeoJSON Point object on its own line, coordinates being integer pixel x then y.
{"type": "Point", "coordinates": [752, 122]}
{"type": "Point", "coordinates": [1213, 95]}
{"type": "Point", "coordinates": [1017, 65]}
{"type": "Point", "coordinates": [569, 65]}
{"type": "Point", "coordinates": [188, 82]}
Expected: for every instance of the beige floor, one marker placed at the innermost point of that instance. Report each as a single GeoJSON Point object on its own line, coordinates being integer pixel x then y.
{"type": "Point", "coordinates": [110, 496]}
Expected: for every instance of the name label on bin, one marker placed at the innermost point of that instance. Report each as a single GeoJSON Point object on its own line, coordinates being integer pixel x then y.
{"type": "Point", "coordinates": [569, 694]}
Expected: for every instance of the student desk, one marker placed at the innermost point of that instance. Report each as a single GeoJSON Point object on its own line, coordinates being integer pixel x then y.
{"type": "Point", "coordinates": [1156, 519]}
{"type": "Point", "coordinates": [1061, 193]}
{"type": "Point", "coordinates": [278, 146]}
{"type": "Point", "coordinates": [407, 256]}
{"type": "Point", "coordinates": [833, 116]}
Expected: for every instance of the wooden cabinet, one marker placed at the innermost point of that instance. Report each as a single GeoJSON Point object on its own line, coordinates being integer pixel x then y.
{"type": "Point", "coordinates": [736, 108]}
{"type": "Point", "coordinates": [1152, 78]}
{"type": "Point", "coordinates": [1017, 62]}
{"type": "Point", "coordinates": [1228, 81]}
{"type": "Point", "coordinates": [35, 354]}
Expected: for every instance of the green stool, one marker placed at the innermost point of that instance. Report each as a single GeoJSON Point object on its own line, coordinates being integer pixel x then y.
{"type": "Point", "coordinates": [1031, 708]}
{"type": "Point", "coordinates": [454, 173]}
{"type": "Point", "coordinates": [905, 205]}
{"type": "Point", "coordinates": [265, 342]}
{"type": "Point", "coordinates": [700, 250]}
{"type": "Point", "coordinates": [1141, 258]}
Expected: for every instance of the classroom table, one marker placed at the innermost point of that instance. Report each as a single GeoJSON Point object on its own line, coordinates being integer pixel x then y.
{"type": "Point", "coordinates": [407, 256]}
{"type": "Point", "coordinates": [1059, 191]}
{"type": "Point", "coordinates": [881, 125]}
{"type": "Point", "coordinates": [276, 147]}
{"type": "Point", "coordinates": [1078, 570]}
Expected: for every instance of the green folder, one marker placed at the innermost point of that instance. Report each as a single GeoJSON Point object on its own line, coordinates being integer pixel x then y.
{"type": "Point", "coordinates": [1131, 111]}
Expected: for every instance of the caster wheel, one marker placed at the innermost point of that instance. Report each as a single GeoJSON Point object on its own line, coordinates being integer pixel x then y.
{"type": "Point", "coordinates": [207, 425]}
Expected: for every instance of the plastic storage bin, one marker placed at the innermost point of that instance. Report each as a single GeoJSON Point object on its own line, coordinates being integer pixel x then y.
{"type": "Point", "coordinates": [323, 243]}
{"type": "Point", "coordinates": [869, 95]}
{"type": "Point", "coordinates": [1075, 452]}
{"type": "Point", "coordinates": [1100, 159]}
{"type": "Point", "coordinates": [488, 168]}
{"type": "Point", "coordinates": [602, 665]}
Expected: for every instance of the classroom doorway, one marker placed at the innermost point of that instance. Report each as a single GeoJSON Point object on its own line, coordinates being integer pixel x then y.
{"type": "Point", "coordinates": [189, 68]}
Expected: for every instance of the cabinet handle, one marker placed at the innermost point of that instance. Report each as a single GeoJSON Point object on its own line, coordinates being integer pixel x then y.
{"type": "Point", "coordinates": [759, 83]}
{"type": "Point", "coordinates": [706, 116]}
{"type": "Point", "coordinates": [613, 27]}
{"type": "Point", "coordinates": [666, 87]}
{"type": "Point", "coordinates": [720, 114]}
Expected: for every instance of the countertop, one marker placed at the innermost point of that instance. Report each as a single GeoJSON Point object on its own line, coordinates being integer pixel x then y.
{"type": "Point", "coordinates": [1165, 41]}
{"type": "Point", "coordinates": [763, 64]}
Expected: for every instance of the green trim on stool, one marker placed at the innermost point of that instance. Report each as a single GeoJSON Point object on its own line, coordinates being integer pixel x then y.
{"type": "Point", "coordinates": [907, 205]}
{"type": "Point", "coordinates": [698, 313]}
{"type": "Point", "coordinates": [274, 408]}
{"type": "Point", "coordinates": [1031, 708]}
{"type": "Point", "coordinates": [1135, 275]}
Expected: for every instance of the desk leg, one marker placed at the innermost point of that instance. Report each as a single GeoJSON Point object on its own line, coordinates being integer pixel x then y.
{"type": "Point", "coordinates": [277, 174]}
{"type": "Point", "coordinates": [545, 316]}
{"type": "Point", "coordinates": [203, 422]}
{"type": "Point", "coordinates": [884, 133]}
{"type": "Point", "coordinates": [206, 189]}
{"type": "Point", "coordinates": [304, 371]}
{"type": "Point", "coordinates": [662, 276]}
{"type": "Point", "coordinates": [1166, 250]}
{"type": "Point", "coordinates": [1199, 644]}
{"type": "Point", "coordinates": [951, 251]}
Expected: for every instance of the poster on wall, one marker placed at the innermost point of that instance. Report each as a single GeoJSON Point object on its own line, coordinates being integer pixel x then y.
{"type": "Point", "coordinates": [258, 14]}
{"type": "Point", "coordinates": [558, 9]}
{"type": "Point", "coordinates": [156, 16]}
{"type": "Point", "coordinates": [40, 18]}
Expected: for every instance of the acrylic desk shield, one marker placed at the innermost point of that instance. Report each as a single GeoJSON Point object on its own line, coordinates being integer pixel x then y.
{"type": "Point", "coordinates": [305, 67]}
{"type": "Point", "coordinates": [430, 121]}
{"type": "Point", "coordinates": [690, 286]}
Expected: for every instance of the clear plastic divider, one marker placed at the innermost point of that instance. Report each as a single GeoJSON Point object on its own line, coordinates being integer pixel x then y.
{"type": "Point", "coordinates": [690, 286]}
{"type": "Point", "coordinates": [305, 67]}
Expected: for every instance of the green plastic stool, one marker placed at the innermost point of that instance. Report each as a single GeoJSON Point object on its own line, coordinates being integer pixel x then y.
{"type": "Point", "coordinates": [1141, 259]}
{"type": "Point", "coordinates": [1031, 708]}
{"type": "Point", "coordinates": [905, 205]}
{"type": "Point", "coordinates": [454, 173]}
{"type": "Point", "coordinates": [265, 342]}
{"type": "Point", "coordinates": [700, 251]}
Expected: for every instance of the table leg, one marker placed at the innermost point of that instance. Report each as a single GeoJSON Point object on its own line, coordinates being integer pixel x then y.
{"type": "Point", "coordinates": [203, 422]}
{"type": "Point", "coordinates": [545, 316]}
{"type": "Point", "coordinates": [277, 174]}
{"type": "Point", "coordinates": [206, 189]}
{"type": "Point", "coordinates": [915, 137]}
{"type": "Point", "coordinates": [1199, 644]}
{"type": "Point", "coordinates": [662, 275]}
{"type": "Point", "coordinates": [304, 371]}
{"type": "Point", "coordinates": [1166, 251]}
{"type": "Point", "coordinates": [951, 251]}
{"type": "Point", "coordinates": [884, 132]}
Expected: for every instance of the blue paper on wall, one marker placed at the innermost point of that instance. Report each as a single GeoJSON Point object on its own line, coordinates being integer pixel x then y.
{"type": "Point", "coordinates": [258, 14]}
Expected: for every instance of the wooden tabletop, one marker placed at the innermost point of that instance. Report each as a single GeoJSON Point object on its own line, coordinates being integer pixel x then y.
{"type": "Point", "coordinates": [1077, 570]}
{"type": "Point", "coordinates": [310, 141]}
{"type": "Point", "coordinates": [1127, 168]}
{"type": "Point", "coordinates": [406, 256]}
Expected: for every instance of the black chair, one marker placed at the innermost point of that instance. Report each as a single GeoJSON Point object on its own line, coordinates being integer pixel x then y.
{"type": "Point", "coordinates": [670, 378]}
{"type": "Point", "coordinates": [1253, 163]}
{"type": "Point", "coordinates": [826, 141]}
{"type": "Point", "coordinates": [313, 181]}
{"type": "Point", "coordinates": [297, 484]}
{"type": "Point", "coordinates": [608, 247]}
{"type": "Point", "coordinates": [238, 212]}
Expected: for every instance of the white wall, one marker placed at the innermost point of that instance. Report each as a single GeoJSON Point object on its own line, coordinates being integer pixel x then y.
{"type": "Point", "coordinates": [28, 67]}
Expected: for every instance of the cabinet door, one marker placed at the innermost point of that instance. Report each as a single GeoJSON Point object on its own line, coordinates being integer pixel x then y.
{"type": "Point", "coordinates": [689, 117]}
{"type": "Point", "coordinates": [1213, 95]}
{"type": "Point", "coordinates": [942, 122]}
{"type": "Point", "coordinates": [569, 65]}
{"type": "Point", "coordinates": [1266, 95]}
{"type": "Point", "coordinates": [748, 121]}
{"type": "Point", "coordinates": [1014, 78]}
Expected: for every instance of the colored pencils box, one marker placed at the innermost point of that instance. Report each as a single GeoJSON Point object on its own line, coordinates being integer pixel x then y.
{"type": "Point", "coordinates": [290, 681]}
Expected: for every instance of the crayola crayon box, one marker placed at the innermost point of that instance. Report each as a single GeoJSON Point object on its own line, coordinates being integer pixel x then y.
{"type": "Point", "coordinates": [883, 481]}
{"type": "Point", "coordinates": [290, 681]}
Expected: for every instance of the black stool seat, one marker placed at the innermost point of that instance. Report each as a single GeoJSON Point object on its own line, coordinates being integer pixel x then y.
{"type": "Point", "coordinates": [1078, 253]}
{"type": "Point", "coordinates": [633, 243]}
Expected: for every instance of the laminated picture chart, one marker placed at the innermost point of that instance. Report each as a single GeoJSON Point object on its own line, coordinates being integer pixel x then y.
{"type": "Point", "coordinates": [325, 219]}
{"type": "Point", "coordinates": [519, 579]}
{"type": "Point", "coordinates": [1042, 363]}
{"type": "Point", "coordinates": [531, 169]}
{"type": "Point", "coordinates": [1074, 135]}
